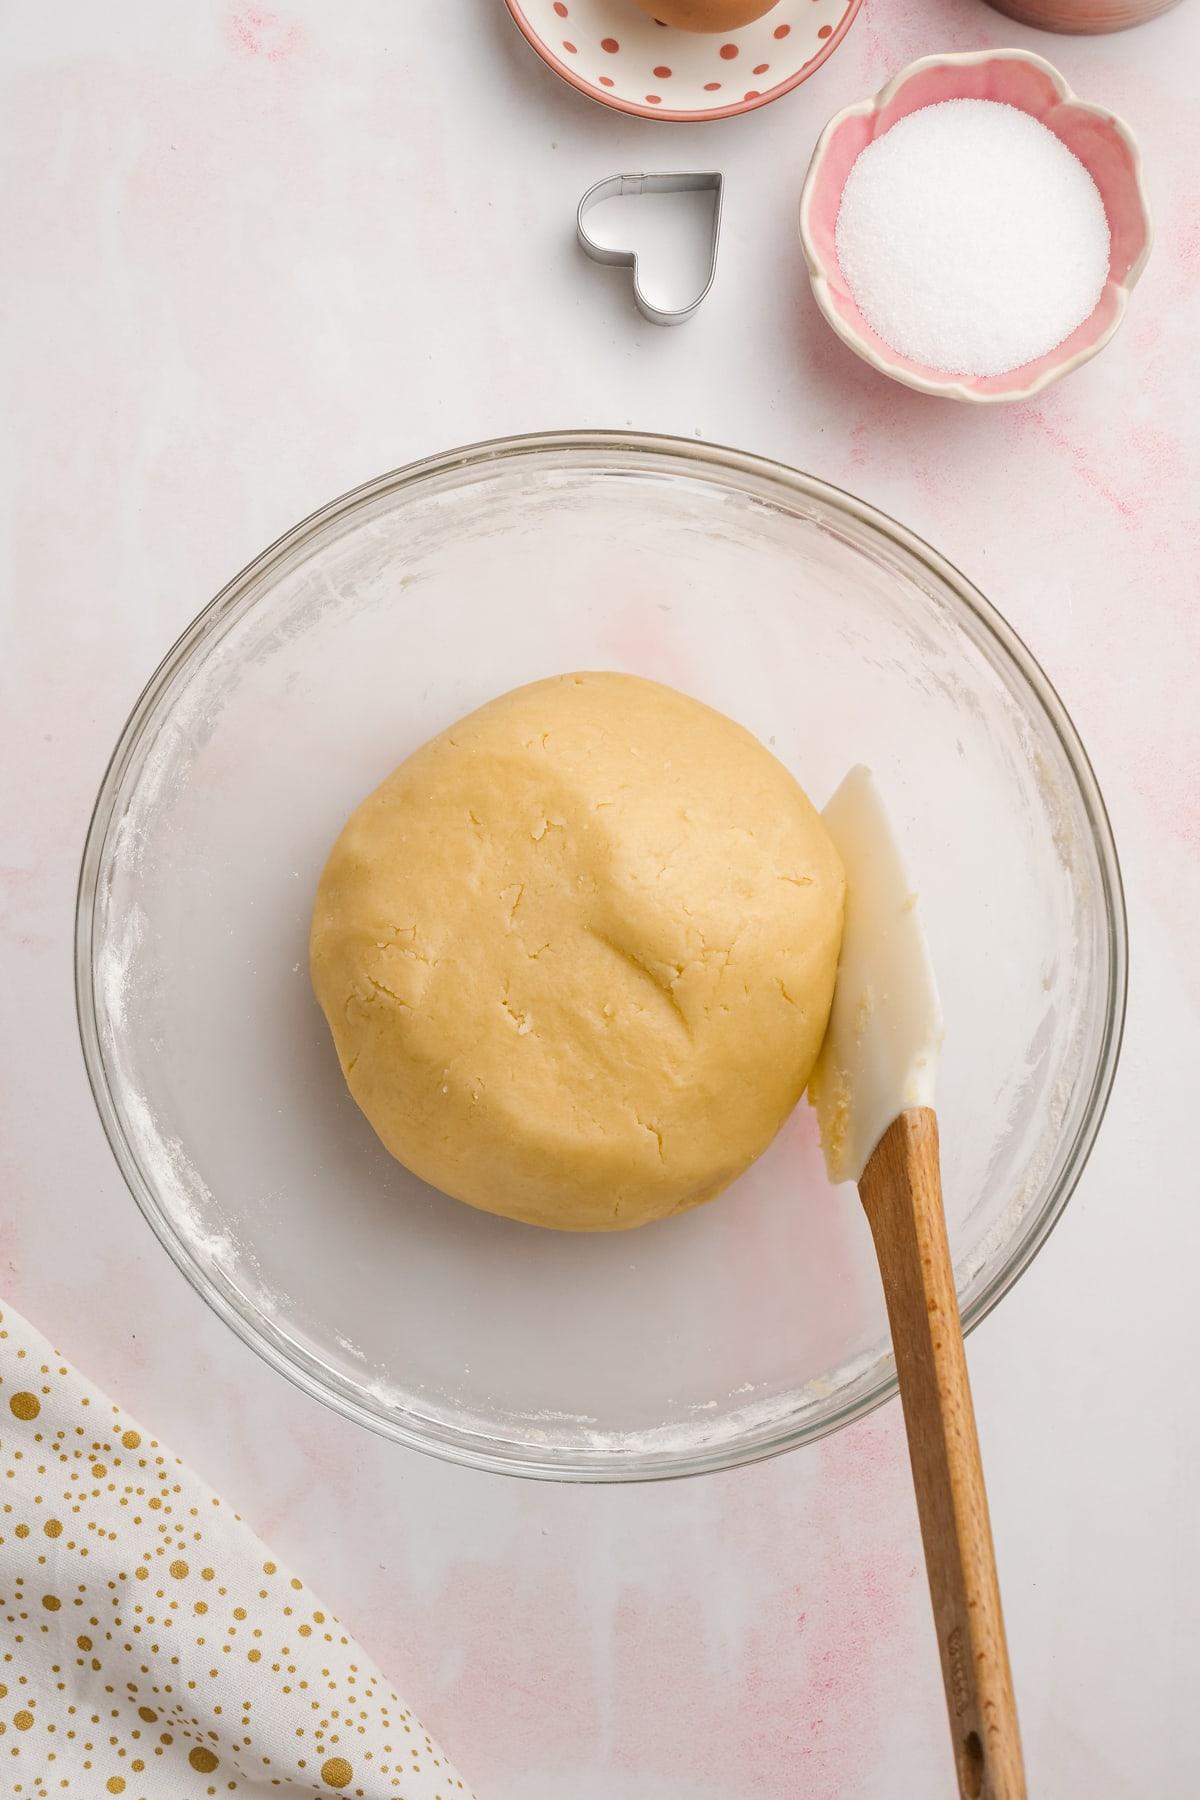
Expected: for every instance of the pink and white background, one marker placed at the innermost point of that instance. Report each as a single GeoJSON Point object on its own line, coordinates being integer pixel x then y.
{"type": "Point", "coordinates": [253, 256]}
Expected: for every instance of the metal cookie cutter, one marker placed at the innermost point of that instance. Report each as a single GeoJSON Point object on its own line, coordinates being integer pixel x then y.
{"type": "Point", "coordinates": [687, 183]}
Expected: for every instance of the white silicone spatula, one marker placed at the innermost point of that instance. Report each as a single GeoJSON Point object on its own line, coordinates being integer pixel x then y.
{"type": "Point", "coordinates": [873, 1090]}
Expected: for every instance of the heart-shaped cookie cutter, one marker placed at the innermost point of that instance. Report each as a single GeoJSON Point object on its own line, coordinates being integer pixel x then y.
{"type": "Point", "coordinates": [688, 182]}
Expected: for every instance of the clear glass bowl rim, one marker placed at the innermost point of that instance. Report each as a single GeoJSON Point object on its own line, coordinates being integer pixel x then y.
{"type": "Point", "coordinates": [275, 1348]}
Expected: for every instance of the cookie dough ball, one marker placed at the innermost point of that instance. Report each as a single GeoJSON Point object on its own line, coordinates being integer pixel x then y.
{"type": "Point", "coordinates": [706, 15]}
{"type": "Point", "coordinates": [577, 953]}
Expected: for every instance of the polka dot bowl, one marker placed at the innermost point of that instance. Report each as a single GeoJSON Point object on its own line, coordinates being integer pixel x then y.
{"type": "Point", "coordinates": [616, 54]}
{"type": "Point", "coordinates": [1103, 144]}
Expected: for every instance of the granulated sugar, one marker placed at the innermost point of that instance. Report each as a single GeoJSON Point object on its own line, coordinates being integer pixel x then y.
{"type": "Point", "coordinates": [971, 238]}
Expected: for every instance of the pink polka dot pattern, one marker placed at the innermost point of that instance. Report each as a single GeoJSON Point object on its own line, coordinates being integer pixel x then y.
{"type": "Point", "coordinates": [614, 51]}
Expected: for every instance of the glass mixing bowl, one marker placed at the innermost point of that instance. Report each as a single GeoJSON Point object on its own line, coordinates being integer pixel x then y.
{"type": "Point", "coordinates": [754, 1323]}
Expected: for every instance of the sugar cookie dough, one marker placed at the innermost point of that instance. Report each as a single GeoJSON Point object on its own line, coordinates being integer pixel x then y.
{"type": "Point", "coordinates": [577, 953]}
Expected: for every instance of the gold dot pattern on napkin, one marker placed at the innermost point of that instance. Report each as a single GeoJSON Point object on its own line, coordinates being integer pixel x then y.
{"type": "Point", "coordinates": [150, 1645]}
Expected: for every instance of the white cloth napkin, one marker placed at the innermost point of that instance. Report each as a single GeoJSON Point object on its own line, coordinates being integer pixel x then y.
{"type": "Point", "coordinates": [150, 1645]}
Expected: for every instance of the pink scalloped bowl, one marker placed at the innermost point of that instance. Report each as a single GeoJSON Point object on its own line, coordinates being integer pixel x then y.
{"type": "Point", "coordinates": [1103, 144]}
{"type": "Point", "coordinates": [615, 53]}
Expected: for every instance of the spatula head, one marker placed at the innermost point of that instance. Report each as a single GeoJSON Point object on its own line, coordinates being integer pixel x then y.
{"type": "Point", "coordinates": [885, 1030]}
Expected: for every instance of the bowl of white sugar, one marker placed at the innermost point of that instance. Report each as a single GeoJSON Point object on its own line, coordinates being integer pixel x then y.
{"type": "Point", "coordinates": [975, 229]}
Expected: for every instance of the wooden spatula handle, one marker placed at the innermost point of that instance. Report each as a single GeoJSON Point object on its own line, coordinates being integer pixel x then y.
{"type": "Point", "coordinates": [902, 1192]}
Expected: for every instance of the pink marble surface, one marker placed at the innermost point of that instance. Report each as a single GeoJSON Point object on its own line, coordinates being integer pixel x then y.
{"type": "Point", "coordinates": [254, 256]}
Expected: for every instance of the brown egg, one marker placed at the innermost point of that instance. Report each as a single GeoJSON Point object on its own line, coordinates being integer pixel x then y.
{"type": "Point", "coordinates": [705, 15]}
